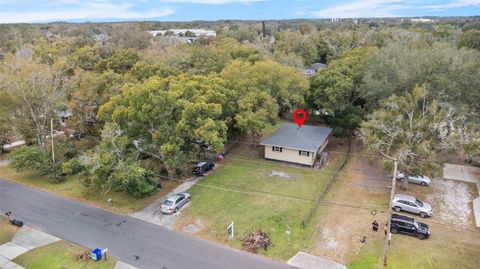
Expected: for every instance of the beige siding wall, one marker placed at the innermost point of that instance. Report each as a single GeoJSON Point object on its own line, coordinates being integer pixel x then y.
{"type": "Point", "coordinates": [289, 155]}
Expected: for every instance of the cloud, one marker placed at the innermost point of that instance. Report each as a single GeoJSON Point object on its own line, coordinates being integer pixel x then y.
{"type": "Point", "coordinates": [388, 8]}
{"type": "Point", "coordinates": [453, 4]}
{"type": "Point", "coordinates": [68, 10]}
{"type": "Point", "coordinates": [215, 2]}
{"type": "Point", "coordinates": [358, 9]}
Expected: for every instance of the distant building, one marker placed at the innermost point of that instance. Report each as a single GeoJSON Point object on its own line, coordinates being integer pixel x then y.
{"type": "Point", "coordinates": [185, 32]}
{"type": "Point", "coordinates": [313, 69]}
{"type": "Point", "coordinates": [422, 20]}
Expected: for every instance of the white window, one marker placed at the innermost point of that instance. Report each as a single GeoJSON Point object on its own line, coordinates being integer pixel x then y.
{"type": "Point", "coordinates": [277, 149]}
{"type": "Point", "coordinates": [303, 153]}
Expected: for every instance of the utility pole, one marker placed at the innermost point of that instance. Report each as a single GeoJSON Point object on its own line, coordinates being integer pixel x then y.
{"type": "Point", "coordinates": [392, 192]}
{"type": "Point", "coordinates": [51, 137]}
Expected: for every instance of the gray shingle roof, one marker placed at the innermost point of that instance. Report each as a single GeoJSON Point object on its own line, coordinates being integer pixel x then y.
{"type": "Point", "coordinates": [307, 137]}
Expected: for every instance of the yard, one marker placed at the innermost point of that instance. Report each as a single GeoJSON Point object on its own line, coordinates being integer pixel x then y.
{"type": "Point", "coordinates": [60, 255]}
{"type": "Point", "coordinates": [257, 194]}
{"type": "Point", "coordinates": [72, 188]}
{"type": "Point", "coordinates": [455, 242]}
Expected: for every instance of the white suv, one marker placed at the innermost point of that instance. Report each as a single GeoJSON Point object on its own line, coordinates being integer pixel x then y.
{"type": "Point", "coordinates": [402, 202]}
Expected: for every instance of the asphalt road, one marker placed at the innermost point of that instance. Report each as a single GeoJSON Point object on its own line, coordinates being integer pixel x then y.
{"type": "Point", "coordinates": [130, 240]}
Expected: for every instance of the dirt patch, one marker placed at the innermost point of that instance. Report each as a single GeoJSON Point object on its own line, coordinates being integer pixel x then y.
{"type": "Point", "coordinates": [193, 228]}
{"type": "Point", "coordinates": [280, 174]}
{"type": "Point", "coordinates": [341, 229]}
{"type": "Point", "coordinates": [451, 201]}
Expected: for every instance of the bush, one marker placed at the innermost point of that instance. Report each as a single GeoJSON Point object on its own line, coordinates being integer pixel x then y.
{"type": "Point", "coordinates": [33, 158]}
{"type": "Point", "coordinates": [30, 157]}
{"type": "Point", "coordinates": [132, 178]}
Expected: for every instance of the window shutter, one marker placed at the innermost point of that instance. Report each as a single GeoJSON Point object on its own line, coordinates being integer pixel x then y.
{"type": "Point", "coordinates": [308, 153]}
{"type": "Point", "coordinates": [273, 148]}
{"type": "Point", "coordinates": [281, 149]}
{"type": "Point", "coordinates": [300, 153]}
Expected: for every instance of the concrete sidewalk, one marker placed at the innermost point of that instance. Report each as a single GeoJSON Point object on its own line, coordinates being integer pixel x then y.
{"type": "Point", "coordinates": [24, 240]}
{"type": "Point", "coordinates": [306, 261]}
{"type": "Point", "coordinates": [122, 265]}
{"type": "Point", "coordinates": [27, 239]}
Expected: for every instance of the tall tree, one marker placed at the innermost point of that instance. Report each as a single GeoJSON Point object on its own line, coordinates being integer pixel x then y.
{"type": "Point", "coordinates": [411, 130]}
{"type": "Point", "coordinates": [169, 116]}
{"type": "Point", "coordinates": [335, 91]}
{"type": "Point", "coordinates": [37, 92]}
{"type": "Point", "coordinates": [454, 74]}
{"type": "Point", "coordinates": [285, 84]}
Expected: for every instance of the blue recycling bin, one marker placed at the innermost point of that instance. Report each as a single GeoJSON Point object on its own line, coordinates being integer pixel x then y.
{"type": "Point", "coordinates": [96, 254]}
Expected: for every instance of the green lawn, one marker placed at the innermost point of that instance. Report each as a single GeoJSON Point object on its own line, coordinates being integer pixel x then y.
{"type": "Point", "coordinates": [7, 231]}
{"type": "Point", "coordinates": [446, 249]}
{"type": "Point", "coordinates": [217, 207]}
{"type": "Point", "coordinates": [72, 188]}
{"type": "Point", "coordinates": [60, 255]}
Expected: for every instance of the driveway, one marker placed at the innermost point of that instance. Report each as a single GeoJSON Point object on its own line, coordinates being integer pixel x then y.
{"type": "Point", "coordinates": [466, 174]}
{"type": "Point", "coordinates": [153, 214]}
{"type": "Point", "coordinates": [130, 240]}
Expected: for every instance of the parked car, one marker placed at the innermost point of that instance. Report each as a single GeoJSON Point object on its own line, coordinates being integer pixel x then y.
{"type": "Point", "coordinates": [175, 202]}
{"type": "Point", "coordinates": [408, 203]}
{"type": "Point", "coordinates": [407, 225]}
{"type": "Point", "coordinates": [202, 168]}
{"type": "Point", "coordinates": [417, 179]}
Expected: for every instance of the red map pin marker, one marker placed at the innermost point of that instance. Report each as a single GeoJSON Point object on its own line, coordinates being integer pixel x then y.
{"type": "Point", "coordinates": [300, 120]}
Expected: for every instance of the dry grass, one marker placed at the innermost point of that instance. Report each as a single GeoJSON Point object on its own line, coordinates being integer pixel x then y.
{"type": "Point", "coordinates": [7, 231]}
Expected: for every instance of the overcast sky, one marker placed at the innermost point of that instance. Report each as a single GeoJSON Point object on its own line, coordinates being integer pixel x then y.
{"type": "Point", "coordinates": [187, 10]}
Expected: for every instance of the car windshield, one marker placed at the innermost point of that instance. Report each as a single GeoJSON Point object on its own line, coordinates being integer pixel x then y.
{"type": "Point", "coordinates": [168, 203]}
{"type": "Point", "coordinates": [416, 224]}
{"type": "Point", "coordinates": [419, 203]}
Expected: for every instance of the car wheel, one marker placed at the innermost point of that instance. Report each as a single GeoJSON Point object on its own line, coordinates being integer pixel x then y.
{"type": "Point", "coordinates": [176, 210]}
{"type": "Point", "coordinates": [423, 214]}
{"type": "Point", "coordinates": [188, 199]}
{"type": "Point", "coordinates": [397, 209]}
{"type": "Point", "coordinates": [423, 184]}
{"type": "Point", "coordinates": [393, 230]}
{"type": "Point", "coordinates": [421, 236]}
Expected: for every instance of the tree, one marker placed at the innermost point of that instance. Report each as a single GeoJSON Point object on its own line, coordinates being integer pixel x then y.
{"type": "Point", "coordinates": [6, 126]}
{"type": "Point", "coordinates": [113, 165]}
{"type": "Point", "coordinates": [397, 68]}
{"type": "Point", "coordinates": [128, 36]}
{"type": "Point", "coordinates": [28, 158]}
{"type": "Point", "coordinates": [470, 39]}
{"type": "Point", "coordinates": [335, 91]}
{"type": "Point", "coordinates": [121, 61]}
{"type": "Point", "coordinates": [256, 111]}
{"type": "Point", "coordinates": [409, 129]}
{"type": "Point", "coordinates": [285, 84]}
{"type": "Point", "coordinates": [167, 116]}
{"type": "Point", "coordinates": [37, 91]}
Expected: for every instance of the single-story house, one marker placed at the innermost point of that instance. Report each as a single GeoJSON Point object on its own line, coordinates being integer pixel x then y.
{"type": "Point", "coordinates": [313, 69]}
{"type": "Point", "coordinates": [296, 145]}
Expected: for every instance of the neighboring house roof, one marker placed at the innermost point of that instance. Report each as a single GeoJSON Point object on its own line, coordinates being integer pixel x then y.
{"type": "Point", "coordinates": [317, 66]}
{"type": "Point", "coordinates": [307, 137]}
{"type": "Point", "coordinates": [63, 113]}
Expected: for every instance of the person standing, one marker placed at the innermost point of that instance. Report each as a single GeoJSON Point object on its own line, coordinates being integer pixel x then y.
{"type": "Point", "coordinates": [389, 237]}
{"type": "Point", "coordinates": [375, 228]}
{"type": "Point", "coordinates": [385, 229]}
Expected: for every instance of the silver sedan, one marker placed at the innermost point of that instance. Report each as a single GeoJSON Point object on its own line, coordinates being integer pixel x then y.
{"type": "Point", "coordinates": [175, 202]}
{"type": "Point", "coordinates": [417, 179]}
